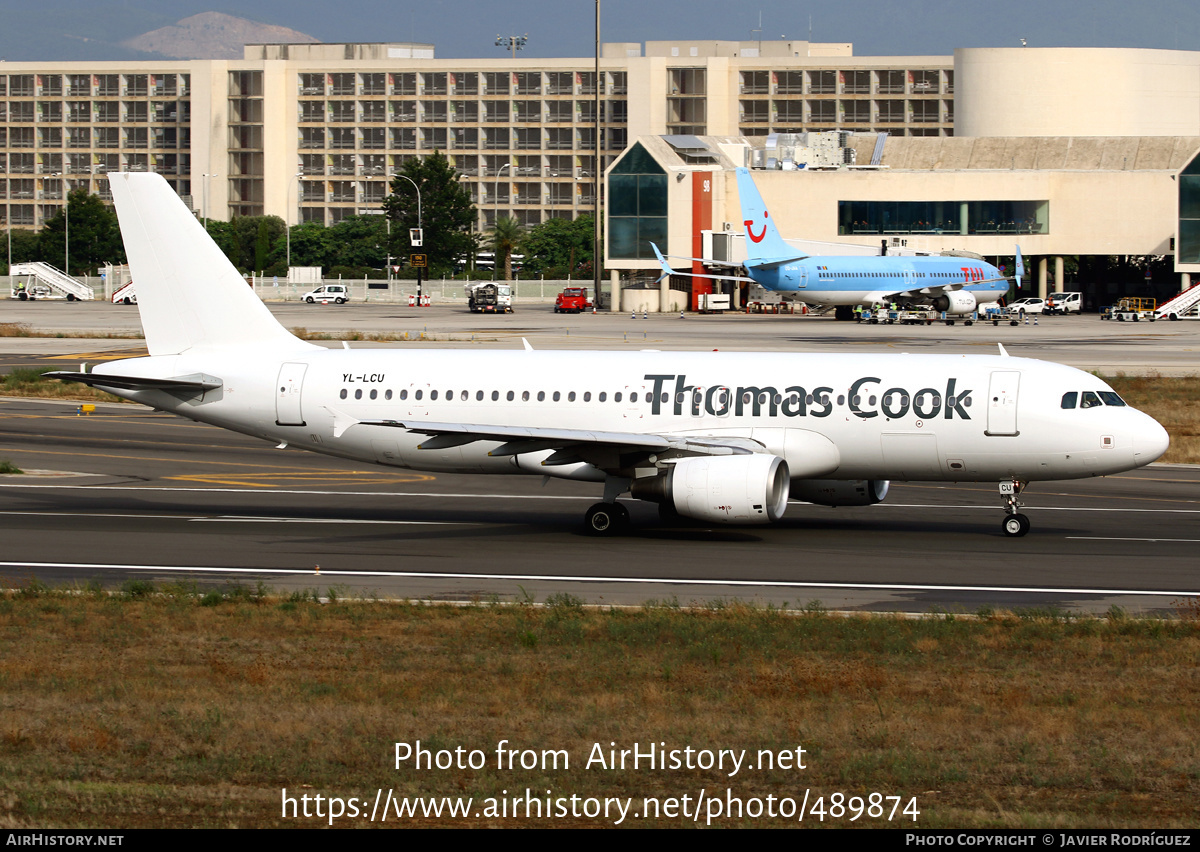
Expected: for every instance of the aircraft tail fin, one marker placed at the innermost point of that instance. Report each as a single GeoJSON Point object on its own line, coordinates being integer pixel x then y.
{"type": "Point", "coordinates": [1020, 268]}
{"type": "Point", "coordinates": [762, 237]}
{"type": "Point", "coordinates": [189, 294]}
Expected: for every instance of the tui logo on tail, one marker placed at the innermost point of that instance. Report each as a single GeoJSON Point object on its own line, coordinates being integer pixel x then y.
{"type": "Point", "coordinates": [749, 223]}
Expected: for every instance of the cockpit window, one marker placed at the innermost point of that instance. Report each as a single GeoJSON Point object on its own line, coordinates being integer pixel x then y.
{"type": "Point", "coordinates": [1090, 400]}
{"type": "Point", "coordinates": [1070, 399]}
{"type": "Point", "coordinates": [1111, 398]}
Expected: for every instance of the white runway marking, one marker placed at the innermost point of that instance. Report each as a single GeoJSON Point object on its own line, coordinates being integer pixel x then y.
{"type": "Point", "coordinates": [435, 575]}
{"type": "Point", "coordinates": [1115, 538]}
{"type": "Point", "coordinates": [591, 498]}
{"type": "Point", "coordinates": [234, 519]}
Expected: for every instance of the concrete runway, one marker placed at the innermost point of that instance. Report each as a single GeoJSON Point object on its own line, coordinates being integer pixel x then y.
{"type": "Point", "coordinates": [131, 493]}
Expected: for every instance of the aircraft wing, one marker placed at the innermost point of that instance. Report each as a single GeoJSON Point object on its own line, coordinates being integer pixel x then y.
{"type": "Point", "coordinates": [937, 290]}
{"type": "Point", "coordinates": [667, 270]}
{"type": "Point", "coordinates": [519, 439]}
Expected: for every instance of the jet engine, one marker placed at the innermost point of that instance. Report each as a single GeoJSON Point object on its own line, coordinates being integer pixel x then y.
{"type": "Point", "coordinates": [740, 489]}
{"type": "Point", "coordinates": [840, 492]}
{"type": "Point", "coordinates": [956, 302]}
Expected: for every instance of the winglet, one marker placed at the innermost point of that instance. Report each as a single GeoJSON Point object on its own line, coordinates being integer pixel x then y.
{"type": "Point", "coordinates": [662, 261]}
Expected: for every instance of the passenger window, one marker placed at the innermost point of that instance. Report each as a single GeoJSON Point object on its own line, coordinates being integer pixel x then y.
{"type": "Point", "coordinates": [1069, 399]}
{"type": "Point", "coordinates": [479, 396]}
{"type": "Point", "coordinates": [1090, 400]}
{"type": "Point", "coordinates": [557, 396]}
{"type": "Point", "coordinates": [464, 396]}
{"type": "Point", "coordinates": [358, 394]}
{"type": "Point", "coordinates": [617, 396]}
{"type": "Point", "coordinates": [587, 396]}
{"type": "Point", "coordinates": [524, 396]}
{"type": "Point", "coordinates": [374, 394]}
{"type": "Point", "coordinates": [571, 396]}
{"type": "Point", "coordinates": [433, 394]}
{"type": "Point", "coordinates": [404, 394]}
{"type": "Point", "coordinates": [417, 395]}
{"type": "Point", "coordinates": [495, 395]}
{"type": "Point", "coordinates": [602, 397]}
{"type": "Point", "coordinates": [387, 394]}
{"type": "Point", "coordinates": [633, 397]}
{"type": "Point", "coordinates": [541, 396]}
{"type": "Point", "coordinates": [510, 396]}
{"type": "Point", "coordinates": [343, 394]}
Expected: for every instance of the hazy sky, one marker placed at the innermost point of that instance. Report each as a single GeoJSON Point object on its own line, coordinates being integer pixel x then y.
{"type": "Point", "coordinates": [90, 29]}
{"type": "Point", "coordinates": [876, 27]}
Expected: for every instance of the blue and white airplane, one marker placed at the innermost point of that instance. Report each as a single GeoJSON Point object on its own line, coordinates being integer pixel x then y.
{"type": "Point", "coordinates": [956, 285]}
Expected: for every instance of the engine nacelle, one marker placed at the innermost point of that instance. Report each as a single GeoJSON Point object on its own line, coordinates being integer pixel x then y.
{"type": "Point", "coordinates": [740, 489]}
{"type": "Point", "coordinates": [956, 302]}
{"type": "Point", "coordinates": [840, 492]}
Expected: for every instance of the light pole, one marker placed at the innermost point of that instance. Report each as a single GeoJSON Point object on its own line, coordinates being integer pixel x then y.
{"type": "Point", "coordinates": [496, 212]}
{"type": "Point", "coordinates": [287, 226]}
{"type": "Point", "coordinates": [513, 43]}
{"type": "Point", "coordinates": [67, 217]}
{"type": "Point", "coordinates": [420, 225]}
{"type": "Point", "coordinates": [598, 171]}
{"type": "Point", "coordinates": [206, 177]}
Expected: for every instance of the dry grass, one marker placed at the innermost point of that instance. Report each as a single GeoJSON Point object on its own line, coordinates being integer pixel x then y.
{"type": "Point", "coordinates": [24, 329]}
{"type": "Point", "coordinates": [159, 710]}
{"type": "Point", "coordinates": [29, 382]}
{"type": "Point", "coordinates": [1173, 402]}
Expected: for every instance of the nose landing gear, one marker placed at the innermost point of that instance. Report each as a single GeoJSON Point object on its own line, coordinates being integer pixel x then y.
{"type": "Point", "coordinates": [1015, 524]}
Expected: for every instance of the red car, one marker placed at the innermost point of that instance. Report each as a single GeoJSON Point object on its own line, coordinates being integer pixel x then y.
{"type": "Point", "coordinates": [572, 300]}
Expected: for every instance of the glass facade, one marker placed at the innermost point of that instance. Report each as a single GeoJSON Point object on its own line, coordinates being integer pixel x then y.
{"type": "Point", "coordinates": [1188, 243]}
{"type": "Point", "coordinates": [980, 218]}
{"type": "Point", "coordinates": [637, 206]}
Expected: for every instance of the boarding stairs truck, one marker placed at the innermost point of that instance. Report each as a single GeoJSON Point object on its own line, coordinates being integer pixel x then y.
{"type": "Point", "coordinates": [42, 281]}
{"type": "Point", "coordinates": [1186, 304]}
{"type": "Point", "coordinates": [125, 295]}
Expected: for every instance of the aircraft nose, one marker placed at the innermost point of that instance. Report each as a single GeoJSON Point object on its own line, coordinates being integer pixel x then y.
{"type": "Point", "coordinates": [1150, 441]}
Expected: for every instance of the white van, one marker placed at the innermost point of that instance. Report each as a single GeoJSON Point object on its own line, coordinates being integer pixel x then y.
{"type": "Point", "coordinates": [339, 294]}
{"type": "Point", "coordinates": [1064, 303]}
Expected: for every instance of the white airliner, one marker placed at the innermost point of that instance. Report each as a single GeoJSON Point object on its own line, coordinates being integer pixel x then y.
{"type": "Point", "coordinates": [719, 437]}
{"type": "Point", "coordinates": [955, 284]}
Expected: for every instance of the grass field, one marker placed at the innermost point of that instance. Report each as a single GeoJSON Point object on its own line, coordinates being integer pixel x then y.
{"type": "Point", "coordinates": [169, 707]}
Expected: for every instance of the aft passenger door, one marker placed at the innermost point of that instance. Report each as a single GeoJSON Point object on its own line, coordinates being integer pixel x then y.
{"type": "Point", "coordinates": [287, 398]}
{"type": "Point", "coordinates": [1002, 403]}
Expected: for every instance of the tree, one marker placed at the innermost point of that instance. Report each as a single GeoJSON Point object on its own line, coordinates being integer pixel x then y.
{"type": "Point", "coordinates": [507, 237]}
{"type": "Point", "coordinates": [24, 246]}
{"type": "Point", "coordinates": [95, 237]}
{"type": "Point", "coordinates": [559, 246]}
{"type": "Point", "coordinates": [447, 213]}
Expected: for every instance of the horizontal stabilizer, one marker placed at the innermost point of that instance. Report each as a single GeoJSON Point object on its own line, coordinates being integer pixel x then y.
{"type": "Point", "coordinates": [193, 385]}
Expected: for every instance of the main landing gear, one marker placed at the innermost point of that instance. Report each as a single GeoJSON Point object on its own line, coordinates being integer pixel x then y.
{"type": "Point", "coordinates": [1015, 524]}
{"type": "Point", "coordinates": [609, 517]}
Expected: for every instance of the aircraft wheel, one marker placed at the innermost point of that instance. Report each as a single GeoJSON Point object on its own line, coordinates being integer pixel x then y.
{"type": "Point", "coordinates": [606, 519]}
{"type": "Point", "coordinates": [1016, 525]}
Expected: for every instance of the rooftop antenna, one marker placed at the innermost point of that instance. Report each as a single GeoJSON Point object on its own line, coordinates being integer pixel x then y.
{"type": "Point", "coordinates": [759, 31]}
{"type": "Point", "coordinates": [1024, 43]}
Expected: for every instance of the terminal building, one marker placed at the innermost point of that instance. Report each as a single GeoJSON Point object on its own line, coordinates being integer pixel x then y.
{"type": "Point", "coordinates": [1074, 151]}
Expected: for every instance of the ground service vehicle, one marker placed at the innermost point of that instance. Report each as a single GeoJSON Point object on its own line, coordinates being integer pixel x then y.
{"type": "Point", "coordinates": [572, 300]}
{"type": "Point", "coordinates": [489, 298]}
{"type": "Point", "coordinates": [337, 293]}
{"type": "Point", "coordinates": [1131, 309]}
